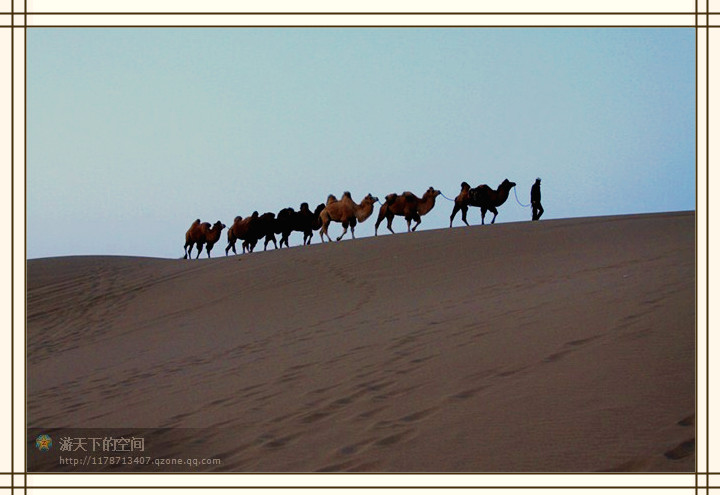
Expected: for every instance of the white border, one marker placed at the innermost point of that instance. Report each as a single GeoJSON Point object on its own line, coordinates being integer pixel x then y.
{"type": "Point", "coordinates": [684, 483]}
{"type": "Point", "coordinates": [462, 6]}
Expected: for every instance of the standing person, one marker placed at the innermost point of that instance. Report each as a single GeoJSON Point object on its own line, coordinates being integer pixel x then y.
{"type": "Point", "coordinates": [537, 209]}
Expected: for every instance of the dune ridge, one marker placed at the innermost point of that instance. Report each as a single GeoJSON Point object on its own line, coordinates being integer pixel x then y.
{"type": "Point", "coordinates": [554, 346]}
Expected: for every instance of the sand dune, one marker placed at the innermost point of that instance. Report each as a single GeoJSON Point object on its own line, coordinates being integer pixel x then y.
{"type": "Point", "coordinates": [564, 346]}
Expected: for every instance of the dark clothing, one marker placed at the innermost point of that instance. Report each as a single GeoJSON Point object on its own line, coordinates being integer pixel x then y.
{"type": "Point", "coordinates": [535, 193]}
{"type": "Point", "coordinates": [537, 209]}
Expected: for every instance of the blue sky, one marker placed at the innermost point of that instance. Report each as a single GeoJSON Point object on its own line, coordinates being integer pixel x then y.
{"type": "Point", "coordinates": [134, 133]}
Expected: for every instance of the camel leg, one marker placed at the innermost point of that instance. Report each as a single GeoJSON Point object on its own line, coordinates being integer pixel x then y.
{"type": "Point", "coordinates": [345, 227]}
{"type": "Point", "coordinates": [208, 248]}
{"type": "Point", "coordinates": [381, 217]}
{"type": "Point", "coordinates": [417, 222]}
{"type": "Point", "coordinates": [494, 211]}
{"type": "Point", "coordinates": [482, 214]}
{"type": "Point", "coordinates": [456, 208]}
{"type": "Point", "coordinates": [199, 249]}
{"type": "Point", "coordinates": [389, 223]}
{"type": "Point", "coordinates": [186, 251]}
{"type": "Point", "coordinates": [324, 231]}
{"type": "Point", "coordinates": [286, 237]}
{"type": "Point", "coordinates": [464, 215]}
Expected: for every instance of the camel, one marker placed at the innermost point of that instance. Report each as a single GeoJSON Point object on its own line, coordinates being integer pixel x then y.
{"type": "Point", "coordinates": [488, 199]}
{"type": "Point", "coordinates": [483, 197]}
{"type": "Point", "coordinates": [304, 221]}
{"type": "Point", "coordinates": [345, 211]}
{"type": "Point", "coordinates": [266, 226]}
{"type": "Point", "coordinates": [407, 205]}
{"type": "Point", "coordinates": [462, 201]}
{"type": "Point", "coordinates": [202, 233]}
{"type": "Point", "coordinates": [240, 229]}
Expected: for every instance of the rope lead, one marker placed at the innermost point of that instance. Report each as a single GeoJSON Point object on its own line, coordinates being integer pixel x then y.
{"type": "Point", "coordinates": [516, 198]}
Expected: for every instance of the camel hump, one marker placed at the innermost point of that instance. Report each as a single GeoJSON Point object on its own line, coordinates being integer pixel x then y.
{"type": "Point", "coordinates": [347, 194]}
{"type": "Point", "coordinates": [331, 199]}
{"type": "Point", "coordinates": [238, 218]}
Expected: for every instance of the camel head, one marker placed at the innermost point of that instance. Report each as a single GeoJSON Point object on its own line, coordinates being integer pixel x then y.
{"type": "Point", "coordinates": [432, 192]}
{"type": "Point", "coordinates": [507, 184]}
{"type": "Point", "coordinates": [218, 225]}
{"type": "Point", "coordinates": [370, 198]}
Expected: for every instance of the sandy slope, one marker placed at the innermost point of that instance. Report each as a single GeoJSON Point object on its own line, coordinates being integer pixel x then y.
{"type": "Point", "coordinates": [553, 346]}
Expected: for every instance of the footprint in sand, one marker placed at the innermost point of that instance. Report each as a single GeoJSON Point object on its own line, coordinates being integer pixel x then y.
{"type": "Point", "coordinates": [687, 447]}
{"type": "Point", "coordinates": [688, 421]}
{"type": "Point", "coordinates": [683, 450]}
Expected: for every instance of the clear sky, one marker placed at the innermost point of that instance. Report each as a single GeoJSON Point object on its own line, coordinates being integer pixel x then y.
{"type": "Point", "coordinates": [134, 133]}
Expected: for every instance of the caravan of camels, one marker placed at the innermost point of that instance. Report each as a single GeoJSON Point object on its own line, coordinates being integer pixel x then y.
{"type": "Point", "coordinates": [250, 230]}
